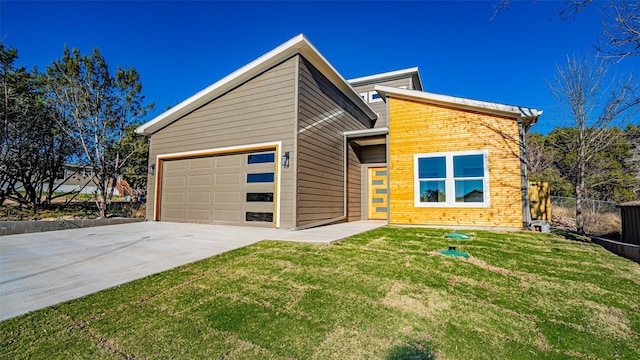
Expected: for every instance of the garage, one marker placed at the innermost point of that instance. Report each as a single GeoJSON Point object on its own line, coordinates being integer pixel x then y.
{"type": "Point", "coordinates": [230, 189]}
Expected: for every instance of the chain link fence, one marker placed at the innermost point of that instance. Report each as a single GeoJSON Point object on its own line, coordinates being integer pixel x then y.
{"type": "Point", "coordinates": [602, 218]}
{"type": "Point", "coordinates": [595, 206]}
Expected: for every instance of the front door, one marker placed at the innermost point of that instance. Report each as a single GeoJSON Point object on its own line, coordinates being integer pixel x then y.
{"type": "Point", "coordinates": [378, 206]}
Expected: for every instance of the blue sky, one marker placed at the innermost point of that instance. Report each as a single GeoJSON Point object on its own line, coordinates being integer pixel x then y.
{"type": "Point", "coordinates": [180, 47]}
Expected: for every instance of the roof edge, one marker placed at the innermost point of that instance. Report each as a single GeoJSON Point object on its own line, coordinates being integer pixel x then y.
{"type": "Point", "coordinates": [299, 44]}
{"type": "Point", "coordinates": [463, 103]}
{"type": "Point", "coordinates": [413, 71]}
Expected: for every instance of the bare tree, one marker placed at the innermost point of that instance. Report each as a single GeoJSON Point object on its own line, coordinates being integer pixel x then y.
{"type": "Point", "coordinates": [622, 35]}
{"type": "Point", "coordinates": [592, 101]}
{"type": "Point", "coordinates": [620, 19]}
{"type": "Point", "coordinates": [95, 109]}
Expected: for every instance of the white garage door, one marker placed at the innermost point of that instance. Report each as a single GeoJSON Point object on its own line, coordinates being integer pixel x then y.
{"type": "Point", "coordinates": [234, 189]}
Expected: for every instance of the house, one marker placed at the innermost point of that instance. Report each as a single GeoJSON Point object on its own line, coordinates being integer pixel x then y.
{"type": "Point", "coordinates": [74, 178]}
{"type": "Point", "coordinates": [287, 142]}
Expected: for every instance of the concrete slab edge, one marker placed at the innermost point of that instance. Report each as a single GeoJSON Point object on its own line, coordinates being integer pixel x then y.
{"type": "Point", "coordinates": [23, 227]}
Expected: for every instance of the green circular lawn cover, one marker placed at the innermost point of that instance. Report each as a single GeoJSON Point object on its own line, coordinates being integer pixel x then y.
{"type": "Point", "coordinates": [457, 235]}
{"type": "Point", "coordinates": [454, 253]}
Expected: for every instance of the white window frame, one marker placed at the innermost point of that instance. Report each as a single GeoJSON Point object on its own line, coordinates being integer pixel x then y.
{"type": "Point", "coordinates": [450, 191]}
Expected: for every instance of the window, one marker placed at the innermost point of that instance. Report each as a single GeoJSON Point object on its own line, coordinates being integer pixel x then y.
{"type": "Point", "coordinates": [260, 197]}
{"type": "Point", "coordinates": [456, 179]}
{"type": "Point", "coordinates": [374, 97]}
{"type": "Point", "coordinates": [260, 177]}
{"type": "Point", "coordinates": [261, 158]}
{"type": "Point", "coordinates": [259, 216]}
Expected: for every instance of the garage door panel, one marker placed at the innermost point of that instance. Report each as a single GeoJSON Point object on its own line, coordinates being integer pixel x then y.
{"type": "Point", "coordinates": [173, 198]}
{"type": "Point", "coordinates": [198, 180]}
{"type": "Point", "coordinates": [228, 179]}
{"type": "Point", "coordinates": [172, 166]}
{"type": "Point", "coordinates": [200, 163]}
{"type": "Point", "coordinates": [199, 216]}
{"type": "Point", "coordinates": [229, 161]}
{"type": "Point", "coordinates": [228, 215]}
{"type": "Point", "coordinates": [174, 181]}
{"type": "Point", "coordinates": [216, 189]}
{"type": "Point", "coordinates": [228, 197]}
{"type": "Point", "coordinates": [200, 197]}
{"type": "Point", "coordinates": [173, 214]}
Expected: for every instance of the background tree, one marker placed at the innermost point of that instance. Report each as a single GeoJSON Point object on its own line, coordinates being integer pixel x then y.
{"type": "Point", "coordinates": [620, 19]}
{"type": "Point", "coordinates": [633, 161]}
{"type": "Point", "coordinates": [592, 102]}
{"type": "Point", "coordinates": [543, 160]}
{"type": "Point", "coordinates": [33, 149]}
{"type": "Point", "coordinates": [135, 171]}
{"type": "Point", "coordinates": [10, 77]}
{"type": "Point", "coordinates": [95, 108]}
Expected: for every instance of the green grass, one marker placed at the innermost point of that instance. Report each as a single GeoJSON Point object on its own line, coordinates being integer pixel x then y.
{"type": "Point", "coordinates": [385, 294]}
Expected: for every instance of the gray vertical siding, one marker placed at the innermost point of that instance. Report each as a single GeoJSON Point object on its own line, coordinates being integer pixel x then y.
{"type": "Point", "coordinates": [379, 106]}
{"type": "Point", "coordinates": [630, 223]}
{"type": "Point", "coordinates": [324, 114]}
{"type": "Point", "coordinates": [258, 111]}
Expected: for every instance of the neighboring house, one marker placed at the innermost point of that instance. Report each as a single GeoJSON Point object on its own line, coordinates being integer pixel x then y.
{"type": "Point", "coordinates": [287, 142]}
{"type": "Point", "coordinates": [77, 178]}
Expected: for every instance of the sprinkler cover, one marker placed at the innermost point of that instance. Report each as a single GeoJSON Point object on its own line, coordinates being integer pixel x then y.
{"type": "Point", "coordinates": [457, 235]}
{"type": "Point", "coordinates": [451, 251]}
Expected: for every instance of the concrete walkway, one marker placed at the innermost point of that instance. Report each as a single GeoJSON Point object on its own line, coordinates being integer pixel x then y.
{"type": "Point", "coordinates": [42, 269]}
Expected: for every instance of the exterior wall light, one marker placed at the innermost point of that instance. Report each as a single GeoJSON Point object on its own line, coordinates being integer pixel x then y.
{"type": "Point", "coordinates": [152, 169]}
{"type": "Point", "coordinates": [285, 159]}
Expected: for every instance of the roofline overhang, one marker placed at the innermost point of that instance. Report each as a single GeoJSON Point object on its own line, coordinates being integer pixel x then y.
{"type": "Point", "coordinates": [297, 45]}
{"type": "Point", "coordinates": [388, 76]}
{"type": "Point", "coordinates": [528, 115]}
{"type": "Point", "coordinates": [366, 132]}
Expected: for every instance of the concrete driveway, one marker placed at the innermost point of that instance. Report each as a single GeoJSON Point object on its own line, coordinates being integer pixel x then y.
{"type": "Point", "coordinates": [42, 269]}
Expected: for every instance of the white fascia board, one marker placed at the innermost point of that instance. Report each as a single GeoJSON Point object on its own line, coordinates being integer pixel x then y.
{"type": "Point", "coordinates": [297, 45]}
{"type": "Point", "coordinates": [458, 102]}
{"type": "Point", "coordinates": [366, 132]}
{"type": "Point", "coordinates": [386, 75]}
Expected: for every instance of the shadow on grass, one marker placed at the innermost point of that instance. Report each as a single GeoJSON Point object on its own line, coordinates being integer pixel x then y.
{"type": "Point", "coordinates": [571, 235]}
{"type": "Point", "coordinates": [411, 351]}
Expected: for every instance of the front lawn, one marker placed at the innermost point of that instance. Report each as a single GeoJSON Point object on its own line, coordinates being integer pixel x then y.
{"type": "Point", "coordinates": [385, 294]}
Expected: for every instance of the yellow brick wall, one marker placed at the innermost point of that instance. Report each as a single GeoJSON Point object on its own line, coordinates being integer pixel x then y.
{"type": "Point", "coordinates": [416, 128]}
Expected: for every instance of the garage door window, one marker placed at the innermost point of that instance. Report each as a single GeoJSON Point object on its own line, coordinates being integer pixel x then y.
{"type": "Point", "coordinates": [259, 216]}
{"type": "Point", "coordinates": [261, 158]}
{"type": "Point", "coordinates": [260, 178]}
{"type": "Point", "coordinates": [260, 197]}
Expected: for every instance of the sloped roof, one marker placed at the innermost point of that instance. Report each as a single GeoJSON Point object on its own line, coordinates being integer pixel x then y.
{"type": "Point", "coordinates": [528, 115]}
{"type": "Point", "coordinates": [297, 45]}
{"type": "Point", "coordinates": [413, 72]}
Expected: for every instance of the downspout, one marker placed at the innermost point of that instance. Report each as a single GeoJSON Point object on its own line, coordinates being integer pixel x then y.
{"type": "Point", "coordinates": [524, 181]}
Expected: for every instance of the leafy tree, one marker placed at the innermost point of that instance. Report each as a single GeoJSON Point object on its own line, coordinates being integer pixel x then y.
{"type": "Point", "coordinates": [593, 102]}
{"type": "Point", "coordinates": [632, 163]}
{"type": "Point", "coordinates": [135, 171]}
{"type": "Point", "coordinates": [557, 170]}
{"type": "Point", "coordinates": [33, 149]}
{"type": "Point", "coordinates": [10, 77]}
{"type": "Point", "coordinates": [95, 108]}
